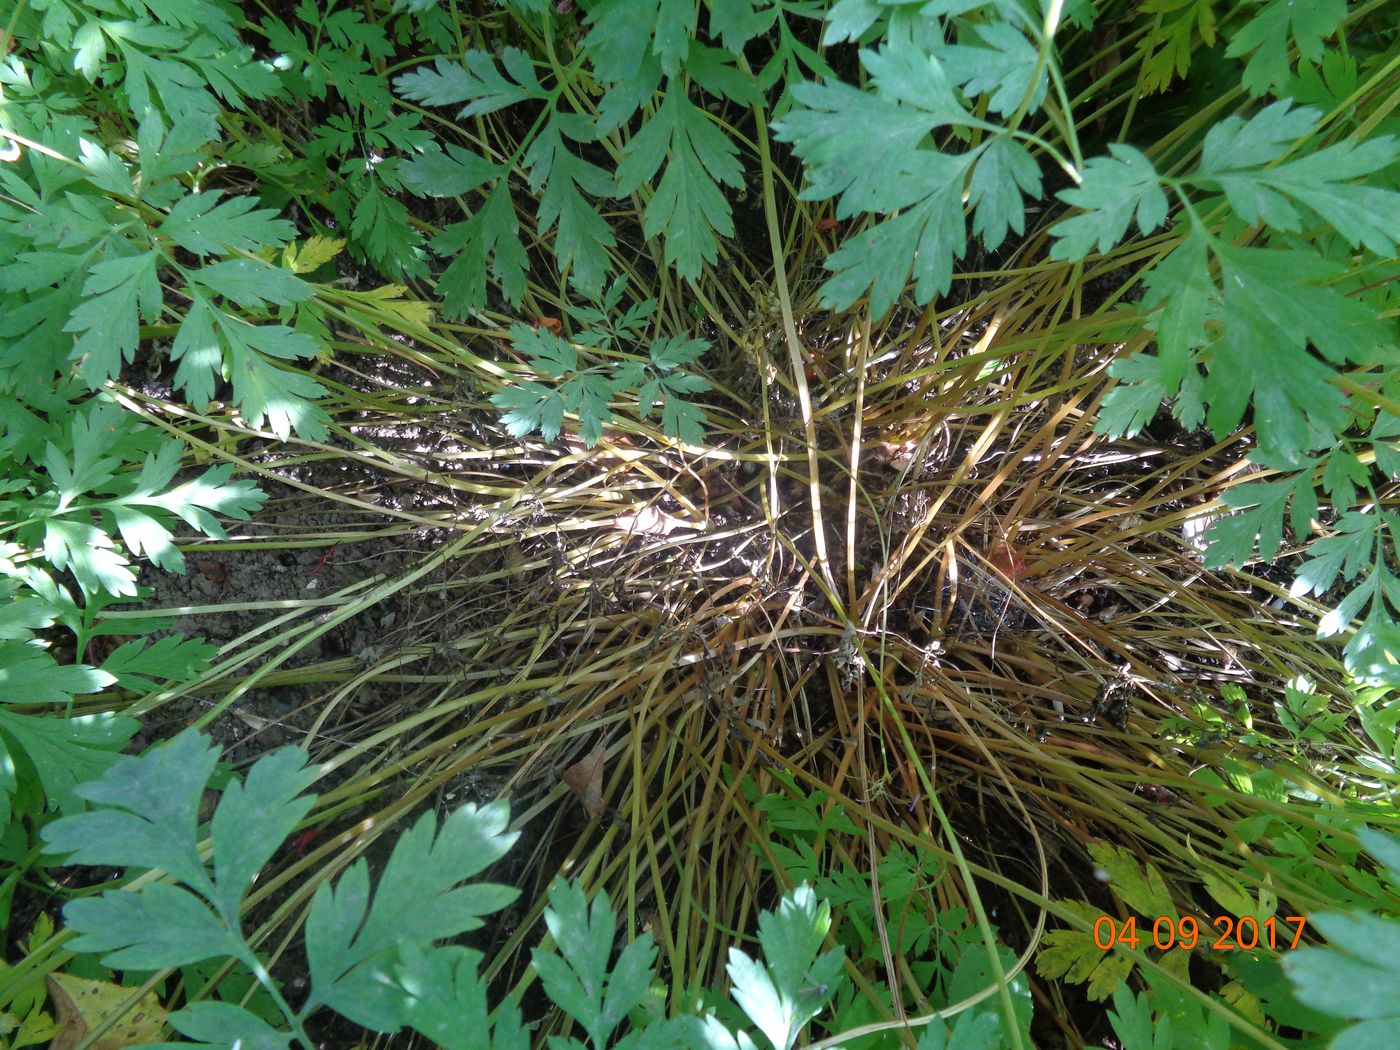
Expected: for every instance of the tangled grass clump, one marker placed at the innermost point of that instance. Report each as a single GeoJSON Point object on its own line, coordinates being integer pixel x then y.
{"type": "Point", "coordinates": [901, 622]}
{"type": "Point", "coordinates": [933, 594]}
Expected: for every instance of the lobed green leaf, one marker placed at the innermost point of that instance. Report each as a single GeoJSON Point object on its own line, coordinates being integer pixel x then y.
{"type": "Point", "coordinates": [1115, 190]}
{"type": "Point", "coordinates": [476, 81]}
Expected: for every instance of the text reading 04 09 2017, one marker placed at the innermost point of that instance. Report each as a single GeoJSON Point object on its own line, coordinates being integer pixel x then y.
{"type": "Point", "coordinates": [1225, 934]}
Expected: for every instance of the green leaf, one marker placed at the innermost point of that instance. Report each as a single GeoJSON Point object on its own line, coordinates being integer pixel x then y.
{"type": "Point", "coordinates": [688, 208]}
{"type": "Point", "coordinates": [1004, 174]}
{"type": "Point", "coordinates": [973, 972]}
{"type": "Point", "coordinates": [1241, 157]}
{"type": "Point", "coordinates": [140, 510]}
{"type": "Point", "coordinates": [1349, 550]}
{"type": "Point", "coordinates": [550, 355]}
{"type": "Point", "coordinates": [869, 149]}
{"type": "Point", "coordinates": [1189, 1021]}
{"type": "Point", "coordinates": [140, 666]}
{"type": "Point", "coordinates": [117, 295]}
{"type": "Point", "coordinates": [924, 239]}
{"type": "Point", "coordinates": [145, 536]}
{"type": "Point", "coordinates": [1372, 656]}
{"type": "Point", "coordinates": [211, 491]}
{"type": "Point", "coordinates": [1234, 146]}
{"type": "Point", "coordinates": [580, 982]}
{"type": "Point", "coordinates": [792, 60]}
{"type": "Point", "coordinates": [1357, 975]}
{"type": "Point", "coordinates": [252, 283]}
{"type": "Point", "coordinates": [588, 395]}
{"type": "Point", "coordinates": [1263, 978]}
{"type": "Point", "coordinates": [903, 73]}
{"type": "Point", "coordinates": [1180, 29]}
{"type": "Point", "coordinates": [1260, 507]}
{"type": "Point", "coordinates": [154, 81]}
{"type": "Point", "coordinates": [1384, 430]}
{"type": "Point", "coordinates": [683, 420]}
{"type": "Point", "coordinates": [148, 818]}
{"type": "Point", "coordinates": [528, 407]}
{"type": "Point", "coordinates": [999, 63]}
{"type": "Point", "coordinates": [1132, 403]}
{"type": "Point", "coordinates": [63, 751]}
{"type": "Point", "coordinates": [679, 418]}
{"type": "Point", "coordinates": [352, 937]}
{"type": "Point", "coordinates": [796, 983]}
{"type": "Point", "coordinates": [20, 617]}
{"type": "Point", "coordinates": [476, 81]}
{"type": "Point", "coordinates": [1182, 292]}
{"type": "Point", "coordinates": [854, 143]}
{"type": "Point", "coordinates": [205, 224]}
{"type": "Point", "coordinates": [160, 926]}
{"type": "Point", "coordinates": [152, 813]}
{"type": "Point", "coordinates": [285, 399]}
{"type": "Point", "coordinates": [714, 70]}
{"type": "Point", "coordinates": [677, 351]}
{"type": "Point", "coordinates": [1327, 85]}
{"type": "Point", "coordinates": [973, 1030]}
{"type": "Point", "coordinates": [1114, 191]}
{"type": "Point", "coordinates": [84, 468]}
{"type": "Point", "coordinates": [492, 233]}
{"type": "Point", "coordinates": [1132, 1021]}
{"type": "Point", "coordinates": [850, 19]}
{"type": "Point", "coordinates": [583, 237]}
{"type": "Point", "coordinates": [1342, 474]}
{"type": "Point", "coordinates": [90, 555]}
{"type": "Point", "coordinates": [623, 33]}
{"type": "Point", "coordinates": [218, 1025]}
{"type": "Point", "coordinates": [736, 22]}
{"type": "Point", "coordinates": [445, 1000]}
{"type": "Point", "coordinates": [437, 174]}
{"type": "Point", "coordinates": [105, 170]}
{"type": "Point", "coordinates": [197, 349]}
{"type": "Point", "coordinates": [254, 818]}
{"type": "Point", "coordinates": [625, 97]}
{"type": "Point", "coordinates": [1355, 547]}
{"type": "Point", "coordinates": [382, 227]}
{"type": "Point", "coordinates": [28, 675]}
{"type": "Point", "coordinates": [150, 505]}
{"type": "Point", "coordinates": [1384, 847]}
{"type": "Point", "coordinates": [1265, 39]}
{"type": "Point", "coordinates": [1274, 306]}
{"type": "Point", "coordinates": [231, 72]}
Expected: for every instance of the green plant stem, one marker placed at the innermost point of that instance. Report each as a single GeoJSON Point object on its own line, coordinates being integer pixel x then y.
{"type": "Point", "coordinates": [794, 346]}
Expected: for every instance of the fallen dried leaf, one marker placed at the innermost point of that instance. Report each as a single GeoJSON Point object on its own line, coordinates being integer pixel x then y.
{"type": "Point", "coordinates": [213, 571]}
{"type": "Point", "coordinates": [649, 521]}
{"type": "Point", "coordinates": [104, 645]}
{"type": "Point", "coordinates": [1008, 561]}
{"type": "Point", "coordinates": [585, 779]}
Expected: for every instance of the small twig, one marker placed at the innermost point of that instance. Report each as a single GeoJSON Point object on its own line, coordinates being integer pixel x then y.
{"type": "Point", "coordinates": [329, 555]}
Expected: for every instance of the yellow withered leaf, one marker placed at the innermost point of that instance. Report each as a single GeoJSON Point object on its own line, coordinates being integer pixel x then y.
{"type": "Point", "coordinates": [314, 252]}
{"type": "Point", "coordinates": [81, 1006]}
